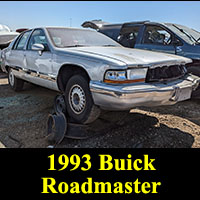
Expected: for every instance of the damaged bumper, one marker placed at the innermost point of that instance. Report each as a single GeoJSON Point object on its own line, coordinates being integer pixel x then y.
{"type": "Point", "coordinates": [126, 97]}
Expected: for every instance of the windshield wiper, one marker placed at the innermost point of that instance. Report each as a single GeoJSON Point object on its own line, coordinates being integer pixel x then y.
{"type": "Point", "coordinates": [80, 45]}
{"type": "Point", "coordinates": [76, 45]}
{"type": "Point", "coordinates": [109, 45]}
{"type": "Point", "coordinates": [187, 34]}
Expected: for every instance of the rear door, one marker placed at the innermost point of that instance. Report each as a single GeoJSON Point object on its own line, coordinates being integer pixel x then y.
{"type": "Point", "coordinates": [17, 55]}
{"type": "Point", "coordinates": [129, 35]}
{"type": "Point", "coordinates": [157, 38]}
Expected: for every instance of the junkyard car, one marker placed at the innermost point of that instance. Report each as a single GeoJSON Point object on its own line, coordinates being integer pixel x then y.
{"type": "Point", "coordinates": [162, 37]}
{"type": "Point", "coordinates": [6, 36]}
{"type": "Point", "coordinates": [94, 72]}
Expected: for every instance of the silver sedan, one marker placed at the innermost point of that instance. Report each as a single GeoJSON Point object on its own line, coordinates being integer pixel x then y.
{"type": "Point", "coordinates": [94, 72]}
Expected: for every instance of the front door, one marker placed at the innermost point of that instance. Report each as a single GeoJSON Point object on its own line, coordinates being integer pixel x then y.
{"type": "Point", "coordinates": [39, 63]}
{"type": "Point", "coordinates": [156, 38]}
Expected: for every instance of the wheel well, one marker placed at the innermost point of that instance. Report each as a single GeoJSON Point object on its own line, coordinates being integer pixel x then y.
{"type": "Point", "coordinates": [67, 71]}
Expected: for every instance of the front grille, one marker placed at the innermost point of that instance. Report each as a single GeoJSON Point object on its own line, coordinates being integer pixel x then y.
{"type": "Point", "coordinates": [165, 73]}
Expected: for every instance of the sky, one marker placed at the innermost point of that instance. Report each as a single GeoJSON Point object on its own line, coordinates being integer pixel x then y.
{"type": "Point", "coordinates": [30, 14]}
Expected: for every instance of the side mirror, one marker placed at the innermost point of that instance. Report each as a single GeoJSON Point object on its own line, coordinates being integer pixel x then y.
{"type": "Point", "coordinates": [38, 47]}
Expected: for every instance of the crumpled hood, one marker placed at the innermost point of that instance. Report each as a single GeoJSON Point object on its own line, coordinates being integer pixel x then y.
{"type": "Point", "coordinates": [132, 56]}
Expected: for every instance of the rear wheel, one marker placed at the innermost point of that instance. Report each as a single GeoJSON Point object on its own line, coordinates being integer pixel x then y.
{"type": "Point", "coordinates": [79, 103]}
{"type": "Point", "coordinates": [195, 71]}
{"type": "Point", "coordinates": [15, 83]}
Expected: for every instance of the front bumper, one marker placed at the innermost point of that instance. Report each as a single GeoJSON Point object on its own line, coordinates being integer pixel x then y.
{"type": "Point", "coordinates": [126, 97]}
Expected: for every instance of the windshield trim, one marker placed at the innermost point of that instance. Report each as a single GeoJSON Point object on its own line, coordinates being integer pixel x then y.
{"type": "Point", "coordinates": [186, 33]}
{"type": "Point", "coordinates": [189, 37]}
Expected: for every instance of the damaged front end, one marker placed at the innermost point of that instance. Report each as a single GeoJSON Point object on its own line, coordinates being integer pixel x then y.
{"type": "Point", "coordinates": [165, 73]}
{"type": "Point", "coordinates": [164, 85]}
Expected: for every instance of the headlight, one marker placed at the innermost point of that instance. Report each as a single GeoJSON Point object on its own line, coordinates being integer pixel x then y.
{"type": "Point", "coordinates": [126, 76]}
{"type": "Point", "coordinates": [115, 75]}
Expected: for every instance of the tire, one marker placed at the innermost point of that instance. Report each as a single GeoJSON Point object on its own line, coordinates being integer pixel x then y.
{"type": "Point", "coordinates": [79, 103]}
{"type": "Point", "coordinates": [56, 128]}
{"type": "Point", "coordinates": [195, 71]}
{"type": "Point", "coordinates": [15, 83]}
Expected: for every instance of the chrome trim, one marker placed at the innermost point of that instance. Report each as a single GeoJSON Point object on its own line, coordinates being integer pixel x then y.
{"type": "Point", "coordinates": [118, 91]}
{"type": "Point", "coordinates": [34, 73]}
{"type": "Point", "coordinates": [125, 97]}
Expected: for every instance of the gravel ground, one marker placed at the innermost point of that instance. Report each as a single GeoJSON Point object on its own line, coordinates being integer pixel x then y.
{"type": "Point", "coordinates": [23, 118]}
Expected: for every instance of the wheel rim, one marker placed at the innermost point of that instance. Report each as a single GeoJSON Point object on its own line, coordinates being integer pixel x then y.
{"type": "Point", "coordinates": [77, 99]}
{"type": "Point", "coordinates": [11, 78]}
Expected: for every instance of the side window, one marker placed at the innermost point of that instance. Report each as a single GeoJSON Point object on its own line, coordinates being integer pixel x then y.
{"type": "Point", "coordinates": [38, 37]}
{"type": "Point", "coordinates": [157, 35]}
{"type": "Point", "coordinates": [128, 36]}
{"type": "Point", "coordinates": [19, 45]}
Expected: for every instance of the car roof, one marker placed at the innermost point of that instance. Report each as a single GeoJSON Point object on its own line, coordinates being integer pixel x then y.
{"type": "Point", "coordinates": [136, 23]}
{"type": "Point", "coordinates": [98, 24]}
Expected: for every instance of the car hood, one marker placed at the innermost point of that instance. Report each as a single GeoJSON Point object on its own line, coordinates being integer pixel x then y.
{"type": "Point", "coordinates": [130, 56]}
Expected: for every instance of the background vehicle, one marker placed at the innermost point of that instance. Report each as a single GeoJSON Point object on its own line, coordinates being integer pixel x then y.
{"type": "Point", "coordinates": [94, 72]}
{"type": "Point", "coordinates": [161, 37]}
{"type": "Point", "coordinates": [6, 36]}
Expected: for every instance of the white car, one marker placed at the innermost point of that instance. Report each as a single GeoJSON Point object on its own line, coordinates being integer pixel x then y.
{"type": "Point", "coordinates": [6, 35]}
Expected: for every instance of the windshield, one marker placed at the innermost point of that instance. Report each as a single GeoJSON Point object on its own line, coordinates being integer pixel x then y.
{"type": "Point", "coordinates": [65, 37]}
{"type": "Point", "coordinates": [4, 28]}
{"type": "Point", "coordinates": [191, 36]}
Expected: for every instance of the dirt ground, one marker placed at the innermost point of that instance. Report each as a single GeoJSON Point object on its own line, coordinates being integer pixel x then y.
{"type": "Point", "coordinates": [23, 123]}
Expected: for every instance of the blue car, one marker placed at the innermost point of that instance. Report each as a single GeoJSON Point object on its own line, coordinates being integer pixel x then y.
{"type": "Point", "coordinates": [161, 37]}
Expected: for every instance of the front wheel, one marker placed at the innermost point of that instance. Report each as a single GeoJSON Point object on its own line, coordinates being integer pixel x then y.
{"type": "Point", "coordinates": [79, 103]}
{"type": "Point", "coordinates": [15, 83]}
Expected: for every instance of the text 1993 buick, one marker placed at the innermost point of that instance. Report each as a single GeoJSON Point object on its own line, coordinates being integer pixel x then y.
{"type": "Point", "coordinates": [94, 72]}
